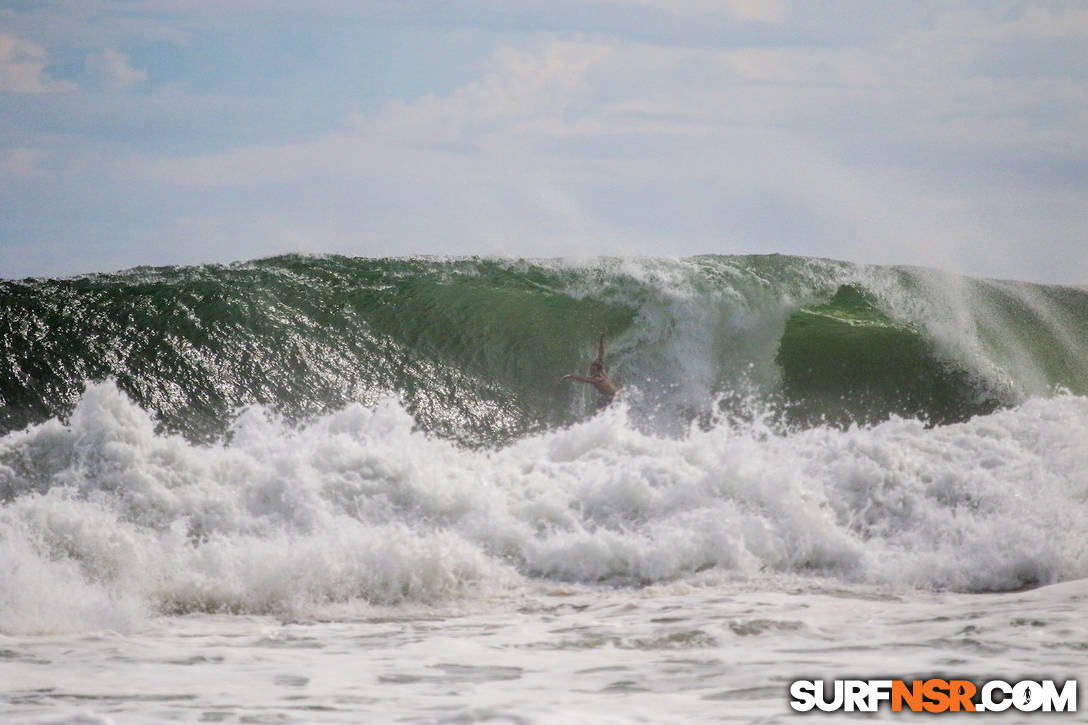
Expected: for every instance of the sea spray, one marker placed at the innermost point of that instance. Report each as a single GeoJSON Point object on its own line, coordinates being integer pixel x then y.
{"type": "Point", "coordinates": [107, 519]}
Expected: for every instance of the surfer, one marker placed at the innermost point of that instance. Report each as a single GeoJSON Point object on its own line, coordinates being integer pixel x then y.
{"type": "Point", "coordinates": [598, 377]}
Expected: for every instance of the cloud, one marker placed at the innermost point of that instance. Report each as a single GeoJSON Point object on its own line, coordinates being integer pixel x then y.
{"type": "Point", "coordinates": [542, 152]}
{"type": "Point", "coordinates": [917, 141]}
{"type": "Point", "coordinates": [763, 11]}
{"type": "Point", "coordinates": [24, 162]}
{"type": "Point", "coordinates": [23, 68]}
{"type": "Point", "coordinates": [1033, 21]}
{"type": "Point", "coordinates": [516, 97]}
{"type": "Point", "coordinates": [113, 71]}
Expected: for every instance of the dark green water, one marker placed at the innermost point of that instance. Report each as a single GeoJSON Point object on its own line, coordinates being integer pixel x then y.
{"type": "Point", "coordinates": [475, 347]}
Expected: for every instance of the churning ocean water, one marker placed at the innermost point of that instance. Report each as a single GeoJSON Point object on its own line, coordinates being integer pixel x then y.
{"type": "Point", "coordinates": [349, 490]}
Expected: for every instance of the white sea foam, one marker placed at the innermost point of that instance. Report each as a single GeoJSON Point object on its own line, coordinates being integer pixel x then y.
{"type": "Point", "coordinates": [105, 520]}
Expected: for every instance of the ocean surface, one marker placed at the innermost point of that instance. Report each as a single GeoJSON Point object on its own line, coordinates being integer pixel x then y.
{"type": "Point", "coordinates": [328, 489]}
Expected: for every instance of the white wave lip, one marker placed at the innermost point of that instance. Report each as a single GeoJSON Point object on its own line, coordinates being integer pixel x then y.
{"type": "Point", "coordinates": [105, 521]}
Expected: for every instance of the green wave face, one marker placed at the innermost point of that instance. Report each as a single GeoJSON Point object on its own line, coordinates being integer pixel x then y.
{"type": "Point", "coordinates": [475, 347]}
{"type": "Point", "coordinates": [848, 362]}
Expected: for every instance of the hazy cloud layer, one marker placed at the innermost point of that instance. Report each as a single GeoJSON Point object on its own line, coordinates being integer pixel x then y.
{"type": "Point", "coordinates": [950, 135]}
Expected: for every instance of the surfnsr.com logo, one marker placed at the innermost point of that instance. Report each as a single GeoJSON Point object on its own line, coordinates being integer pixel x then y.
{"type": "Point", "coordinates": [933, 695]}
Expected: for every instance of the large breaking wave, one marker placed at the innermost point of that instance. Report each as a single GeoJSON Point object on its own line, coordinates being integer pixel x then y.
{"type": "Point", "coordinates": [475, 348]}
{"type": "Point", "coordinates": [407, 438]}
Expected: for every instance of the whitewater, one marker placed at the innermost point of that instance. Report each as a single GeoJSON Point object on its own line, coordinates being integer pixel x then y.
{"type": "Point", "coordinates": [336, 490]}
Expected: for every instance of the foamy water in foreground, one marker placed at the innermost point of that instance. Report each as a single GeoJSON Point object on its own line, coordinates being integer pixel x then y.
{"type": "Point", "coordinates": [357, 569]}
{"type": "Point", "coordinates": [720, 653]}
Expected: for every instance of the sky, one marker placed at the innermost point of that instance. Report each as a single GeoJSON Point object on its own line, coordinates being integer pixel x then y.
{"type": "Point", "coordinates": [943, 134]}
